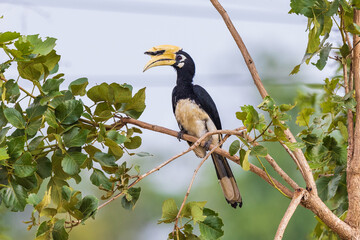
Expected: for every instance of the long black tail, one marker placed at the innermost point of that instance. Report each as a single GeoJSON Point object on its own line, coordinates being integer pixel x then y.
{"type": "Point", "coordinates": [227, 180]}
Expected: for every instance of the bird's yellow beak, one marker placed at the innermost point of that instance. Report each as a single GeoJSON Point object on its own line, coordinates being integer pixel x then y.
{"type": "Point", "coordinates": [161, 55]}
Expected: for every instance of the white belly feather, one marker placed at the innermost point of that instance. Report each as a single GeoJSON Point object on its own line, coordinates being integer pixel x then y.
{"type": "Point", "coordinates": [195, 121]}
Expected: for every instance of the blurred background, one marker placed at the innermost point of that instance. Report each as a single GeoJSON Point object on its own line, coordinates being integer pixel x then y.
{"type": "Point", "coordinates": [104, 40]}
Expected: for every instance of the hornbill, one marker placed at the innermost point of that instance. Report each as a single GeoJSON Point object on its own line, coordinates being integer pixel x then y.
{"type": "Point", "coordinates": [195, 112]}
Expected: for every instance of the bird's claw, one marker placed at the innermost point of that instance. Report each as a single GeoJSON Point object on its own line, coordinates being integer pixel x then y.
{"type": "Point", "coordinates": [207, 144]}
{"type": "Point", "coordinates": [180, 135]}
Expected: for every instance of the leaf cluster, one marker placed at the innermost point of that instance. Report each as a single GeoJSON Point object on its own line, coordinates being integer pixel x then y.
{"type": "Point", "coordinates": [49, 136]}
{"type": "Point", "coordinates": [208, 221]}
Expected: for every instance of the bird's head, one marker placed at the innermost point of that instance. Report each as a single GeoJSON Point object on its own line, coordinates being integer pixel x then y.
{"type": "Point", "coordinates": [172, 56]}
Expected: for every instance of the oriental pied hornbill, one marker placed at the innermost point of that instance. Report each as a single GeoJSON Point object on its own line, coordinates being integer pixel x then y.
{"type": "Point", "coordinates": [195, 112]}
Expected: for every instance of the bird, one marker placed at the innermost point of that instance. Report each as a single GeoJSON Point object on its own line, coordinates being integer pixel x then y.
{"type": "Point", "coordinates": [195, 112]}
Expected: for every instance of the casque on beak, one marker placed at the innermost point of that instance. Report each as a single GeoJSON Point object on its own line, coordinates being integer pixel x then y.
{"type": "Point", "coordinates": [161, 55]}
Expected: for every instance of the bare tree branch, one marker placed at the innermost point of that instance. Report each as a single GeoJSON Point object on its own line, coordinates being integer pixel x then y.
{"type": "Point", "coordinates": [298, 194]}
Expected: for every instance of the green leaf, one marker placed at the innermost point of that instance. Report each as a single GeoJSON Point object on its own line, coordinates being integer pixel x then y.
{"type": "Point", "coordinates": [14, 197]}
{"type": "Point", "coordinates": [59, 232]}
{"type": "Point", "coordinates": [286, 107]}
{"type": "Point", "coordinates": [294, 145]}
{"type": "Point", "coordinates": [128, 202]}
{"type": "Point", "coordinates": [115, 149]}
{"type": "Point", "coordinates": [44, 230]}
{"type": "Point", "coordinates": [72, 162]}
{"type": "Point", "coordinates": [344, 50]}
{"type": "Point", "coordinates": [324, 54]}
{"type": "Point", "coordinates": [16, 146]}
{"type": "Point", "coordinates": [122, 94]}
{"type": "Point", "coordinates": [211, 227]}
{"type": "Point", "coordinates": [194, 210]}
{"type": "Point", "coordinates": [343, 130]}
{"type": "Point", "coordinates": [51, 119]}
{"type": "Point", "coordinates": [69, 111]}
{"type": "Point", "coordinates": [313, 41]}
{"type": "Point", "coordinates": [52, 85]}
{"type": "Point", "coordinates": [35, 110]}
{"type": "Point", "coordinates": [88, 206]}
{"type": "Point", "coordinates": [234, 147]}
{"type": "Point", "coordinates": [295, 70]}
{"type": "Point", "coordinates": [322, 186]}
{"type": "Point", "coordinates": [12, 92]}
{"type": "Point", "coordinates": [252, 117]}
{"type": "Point", "coordinates": [106, 161]}
{"type": "Point", "coordinates": [244, 159]}
{"type": "Point", "coordinates": [56, 185]}
{"type": "Point", "coordinates": [100, 93]}
{"type": "Point", "coordinates": [136, 104]}
{"type": "Point", "coordinates": [76, 137]}
{"type": "Point", "coordinates": [24, 166]}
{"type": "Point", "coordinates": [14, 118]}
{"type": "Point", "coordinates": [259, 150]}
{"type": "Point", "coordinates": [303, 117]}
{"type": "Point", "coordinates": [39, 46]}
{"type": "Point", "coordinates": [33, 127]}
{"type": "Point", "coordinates": [99, 179]}
{"type": "Point", "coordinates": [134, 143]}
{"type": "Point", "coordinates": [78, 87]}
{"type": "Point", "coordinates": [44, 167]}
{"type": "Point", "coordinates": [333, 186]}
{"type": "Point", "coordinates": [169, 211]}
{"type": "Point", "coordinates": [8, 36]}
{"type": "Point", "coordinates": [3, 154]}
{"type": "Point", "coordinates": [117, 137]}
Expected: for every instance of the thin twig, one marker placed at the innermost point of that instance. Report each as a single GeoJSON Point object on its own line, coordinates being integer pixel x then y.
{"type": "Point", "coordinates": [274, 164]}
{"type": "Point", "coordinates": [298, 194]}
{"type": "Point", "coordinates": [193, 178]}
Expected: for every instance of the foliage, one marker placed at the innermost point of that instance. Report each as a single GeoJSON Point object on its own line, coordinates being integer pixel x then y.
{"type": "Point", "coordinates": [49, 136]}
{"type": "Point", "coordinates": [210, 225]}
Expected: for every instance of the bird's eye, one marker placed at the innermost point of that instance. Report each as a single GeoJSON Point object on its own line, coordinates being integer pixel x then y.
{"type": "Point", "coordinates": [178, 58]}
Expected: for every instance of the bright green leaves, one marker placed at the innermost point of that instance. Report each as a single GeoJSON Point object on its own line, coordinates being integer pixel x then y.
{"type": "Point", "coordinates": [169, 211]}
{"type": "Point", "coordinates": [234, 147]}
{"type": "Point", "coordinates": [210, 224]}
{"type": "Point", "coordinates": [117, 98]}
{"type": "Point", "coordinates": [303, 117]}
{"type": "Point", "coordinates": [8, 36]}
{"type": "Point", "coordinates": [320, 15]}
{"type": "Point", "coordinates": [54, 137]}
{"type": "Point", "coordinates": [249, 117]}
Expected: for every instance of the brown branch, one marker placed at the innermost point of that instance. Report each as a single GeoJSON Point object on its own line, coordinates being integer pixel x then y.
{"type": "Point", "coordinates": [353, 167]}
{"type": "Point", "coordinates": [302, 163]}
{"type": "Point", "coordinates": [298, 194]}
{"type": "Point", "coordinates": [246, 55]}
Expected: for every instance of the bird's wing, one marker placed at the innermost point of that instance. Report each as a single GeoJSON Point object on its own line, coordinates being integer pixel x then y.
{"type": "Point", "coordinates": [205, 101]}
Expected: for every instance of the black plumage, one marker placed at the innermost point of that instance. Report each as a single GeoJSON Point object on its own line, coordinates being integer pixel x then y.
{"type": "Point", "coordinates": [196, 114]}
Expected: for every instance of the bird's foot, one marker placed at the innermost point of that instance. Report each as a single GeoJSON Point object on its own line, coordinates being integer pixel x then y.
{"type": "Point", "coordinates": [207, 144]}
{"type": "Point", "coordinates": [180, 135]}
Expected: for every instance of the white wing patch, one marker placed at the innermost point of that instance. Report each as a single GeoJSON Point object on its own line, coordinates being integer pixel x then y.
{"type": "Point", "coordinates": [195, 121]}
